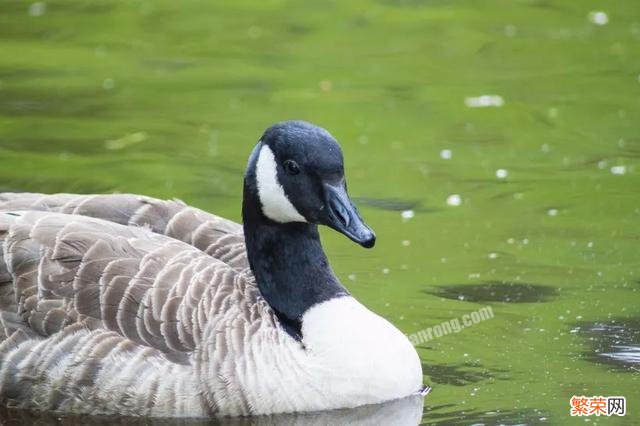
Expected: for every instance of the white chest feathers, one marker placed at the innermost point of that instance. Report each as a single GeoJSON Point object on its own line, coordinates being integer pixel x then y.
{"type": "Point", "coordinates": [359, 355]}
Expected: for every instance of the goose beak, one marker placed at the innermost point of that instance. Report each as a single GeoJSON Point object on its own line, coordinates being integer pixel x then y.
{"type": "Point", "coordinates": [343, 216]}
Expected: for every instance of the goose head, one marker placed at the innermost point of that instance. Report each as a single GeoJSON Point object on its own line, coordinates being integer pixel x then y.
{"type": "Point", "coordinates": [296, 172]}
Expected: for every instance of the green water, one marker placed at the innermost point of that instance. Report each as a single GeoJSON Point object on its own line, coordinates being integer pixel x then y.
{"type": "Point", "coordinates": [167, 99]}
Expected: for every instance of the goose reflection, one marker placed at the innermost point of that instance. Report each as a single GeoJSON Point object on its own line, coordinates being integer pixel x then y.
{"type": "Point", "coordinates": [402, 412]}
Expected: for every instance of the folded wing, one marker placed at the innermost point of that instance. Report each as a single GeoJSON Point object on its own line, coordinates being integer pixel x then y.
{"type": "Point", "coordinates": [214, 235]}
{"type": "Point", "coordinates": [60, 269]}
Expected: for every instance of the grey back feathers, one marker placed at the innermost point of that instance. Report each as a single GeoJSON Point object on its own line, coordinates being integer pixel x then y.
{"type": "Point", "coordinates": [102, 295]}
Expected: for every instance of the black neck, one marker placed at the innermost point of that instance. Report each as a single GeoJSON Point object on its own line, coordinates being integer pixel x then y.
{"type": "Point", "coordinates": [287, 260]}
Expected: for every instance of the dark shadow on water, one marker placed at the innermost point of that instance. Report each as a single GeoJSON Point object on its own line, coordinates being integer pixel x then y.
{"type": "Point", "coordinates": [461, 374]}
{"type": "Point", "coordinates": [407, 411]}
{"type": "Point", "coordinates": [614, 342]}
{"type": "Point", "coordinates": [496, 291]}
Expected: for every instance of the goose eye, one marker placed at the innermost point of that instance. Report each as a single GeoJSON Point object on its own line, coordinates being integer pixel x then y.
{"type": "Point", "coordinates": [291, 167]}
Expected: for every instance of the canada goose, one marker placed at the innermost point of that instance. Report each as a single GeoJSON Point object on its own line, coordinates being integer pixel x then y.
{"type": "Point", "coordinates": [122, 304]}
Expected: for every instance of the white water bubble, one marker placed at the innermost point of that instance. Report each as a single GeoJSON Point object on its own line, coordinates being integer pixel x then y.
{"type": "Point", "coordinates": [502, 173]}
{"type": "Point", "coordinates": [484, 101]}
{"type": "Point", "coordinates": [407, 214]}
{"type": "Point", "coordinates": [352, 277]}
{"type": "Point", "coordinates": [618, 170]}
{"type": "Point", "coordinates": [454, 200]}
{"type": "Point", "coordinates": [406, 243]}
{"type": "Point", "coordinates": [446, 154]}
{"type": "Point", "coordinates": [599, 17]}
{"type": "Point", "coordinates": [385, 271]}
{"type": "Point", "coordinates": [493, 255]}
{"type": "Point", "coordinates": [552, 212]}
{"type": "Point", "coordinates": [37, 9]}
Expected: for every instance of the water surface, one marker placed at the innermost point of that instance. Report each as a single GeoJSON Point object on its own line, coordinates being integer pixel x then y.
{"type": "Point", "coordinates": [494, 147]}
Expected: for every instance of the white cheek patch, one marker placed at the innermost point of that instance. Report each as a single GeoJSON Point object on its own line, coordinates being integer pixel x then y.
{"type": "Point", "coordinates": [275, 204]}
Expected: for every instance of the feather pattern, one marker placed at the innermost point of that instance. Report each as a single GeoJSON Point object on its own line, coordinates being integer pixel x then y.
{"type": "Point", "coordinates": [93, 311]}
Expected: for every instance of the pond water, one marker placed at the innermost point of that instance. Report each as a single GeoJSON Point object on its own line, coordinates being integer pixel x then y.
{"type": "Point", "coordinates": [493, 146]}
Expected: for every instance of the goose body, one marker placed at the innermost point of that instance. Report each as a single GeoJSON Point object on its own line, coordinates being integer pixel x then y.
{"type": "Point", "coordinates": [124, 304]}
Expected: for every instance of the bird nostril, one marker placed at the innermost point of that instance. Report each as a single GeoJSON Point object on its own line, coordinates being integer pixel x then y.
{"type": "Point", "coordinates": [341, 213]}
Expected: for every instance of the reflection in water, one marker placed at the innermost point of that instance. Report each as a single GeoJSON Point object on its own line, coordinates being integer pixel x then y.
{"type": "Point", "coordinates": [615, 342]}
{"type": "Point", "coordinates": [403, 412]}
{"type": "Point", "coordinates": [496, 291]}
